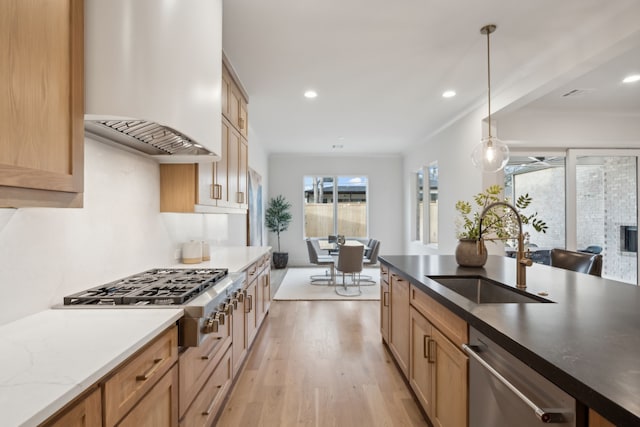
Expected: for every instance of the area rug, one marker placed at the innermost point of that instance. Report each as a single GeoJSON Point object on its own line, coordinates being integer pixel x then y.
{"type": "Point", "coordinates": [296, 285]}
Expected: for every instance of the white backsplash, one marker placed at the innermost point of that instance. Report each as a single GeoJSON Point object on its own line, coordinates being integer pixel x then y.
{"type": "Point", "coordinates": [46, 253]}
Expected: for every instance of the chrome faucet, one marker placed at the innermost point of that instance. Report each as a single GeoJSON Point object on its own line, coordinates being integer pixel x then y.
{"type": "Point", "coordinates": [522, 262]}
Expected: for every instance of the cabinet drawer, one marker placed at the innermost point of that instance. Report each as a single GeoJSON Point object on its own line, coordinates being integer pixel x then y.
{"type": "Point", "coordinates": [252, 271]}
{"type": "Point", "coordinates": [197, 363]}
{"type": "Point", "coordinates": [136, 377]}
{"type": "Point", "coordinates": [208, 402]}
{"type": "Point", "coordinates": [448, 323]}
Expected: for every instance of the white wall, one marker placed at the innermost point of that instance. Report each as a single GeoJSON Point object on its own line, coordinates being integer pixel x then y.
{"type": "Point", "coordinates": [286, 174]}
{"type": "Point", "coordinates": [47, 253]}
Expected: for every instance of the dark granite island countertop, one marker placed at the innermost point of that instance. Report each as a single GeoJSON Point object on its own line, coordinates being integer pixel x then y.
{"type": "Point", "coordinates": [587, 342]}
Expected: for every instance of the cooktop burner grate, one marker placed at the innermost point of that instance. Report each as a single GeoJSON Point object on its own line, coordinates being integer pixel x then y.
{"type": "Point", "coordinates": [165, 286]}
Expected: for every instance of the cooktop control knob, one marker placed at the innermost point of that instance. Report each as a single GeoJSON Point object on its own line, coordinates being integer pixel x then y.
{"type": "Point", "coordinates": [210, 325]}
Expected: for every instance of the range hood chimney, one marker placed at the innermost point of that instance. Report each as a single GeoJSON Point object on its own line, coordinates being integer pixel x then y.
{"type": "Point", "coordinates": [153, 77]}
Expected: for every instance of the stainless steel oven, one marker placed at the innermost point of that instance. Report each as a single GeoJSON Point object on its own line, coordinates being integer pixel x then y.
{"type": "Point", "coordinates": [206, 295]}
{"type": "Point", "coordinates": [504, 392]}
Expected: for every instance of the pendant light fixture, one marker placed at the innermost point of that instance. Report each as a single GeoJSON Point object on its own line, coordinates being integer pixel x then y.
{"type": "Point", "coordinates": [491, 154]}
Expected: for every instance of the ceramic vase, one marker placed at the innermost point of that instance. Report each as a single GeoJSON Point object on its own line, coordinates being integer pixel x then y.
{"type": "Point", "coordinates": [467, 253]}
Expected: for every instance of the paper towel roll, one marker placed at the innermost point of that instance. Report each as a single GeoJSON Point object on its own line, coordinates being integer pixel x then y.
{"type": "Point", "coordinates": [192, 252]}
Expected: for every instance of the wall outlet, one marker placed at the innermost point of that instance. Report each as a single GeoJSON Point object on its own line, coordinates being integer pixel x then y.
{"type": "Point", "coordinates": [176, 254]}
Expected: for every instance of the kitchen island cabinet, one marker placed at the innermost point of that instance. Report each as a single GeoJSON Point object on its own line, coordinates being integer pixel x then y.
{"type": "Point", "coordinates": [563, 340]}
{"type": "Point", "coordinates": [42, 138]}
{"type": "Point", "coordinates": [399, 321]}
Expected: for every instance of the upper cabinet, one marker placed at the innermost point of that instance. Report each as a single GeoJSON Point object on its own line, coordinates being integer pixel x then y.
{"type": "Point", "coordinates": [41, 103]}
{"type": "Point", "coordinates": [220, 186]}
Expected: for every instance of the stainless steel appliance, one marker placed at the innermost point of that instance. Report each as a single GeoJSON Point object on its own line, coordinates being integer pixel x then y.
{"type": "Point", "coordinates": [207, 296]}
{"type": "Point", "coordinates": [504, 392]}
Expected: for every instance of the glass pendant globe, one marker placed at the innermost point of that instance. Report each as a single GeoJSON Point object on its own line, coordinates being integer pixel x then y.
{"type": "Point", "coordinates": [490, 155]}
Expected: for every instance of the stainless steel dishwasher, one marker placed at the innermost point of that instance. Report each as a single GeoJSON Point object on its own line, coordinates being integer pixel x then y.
{"type": "Point", "coordinates": [504, 392]}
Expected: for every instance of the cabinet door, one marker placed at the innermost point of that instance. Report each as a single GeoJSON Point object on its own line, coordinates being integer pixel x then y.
{"type": "Point", "coordinates": [421, 363]}
{"type": "Point", "coordinates": [220, 169]}
{"type": "Point", "coordinates": [239, 342]}
{"type": "Point", "coordinates": [233, 166]}
{"type": "Point", "coordinates": [384, 310]}
{"type": "Point", "coordinates": [251, 318]}
{"type": "Point", "coordinates": [159, 407]}
{"type": "Point", "coordinates": [86, 413]}
{"type": "Point", "coordinates": [450, 384]}
{"type": "Point", "coordinates": [243, 124]}
{"type": "Point", "coordinates": [264, 293]}
{"type": "Point", "coordinates": [242, 197]}
{"type": "Point", "coordinates": [226, 84]}
{"type": "Point", "coordinates": [41, 103]}
{"type": "Point", "coordinates": [399, 328]}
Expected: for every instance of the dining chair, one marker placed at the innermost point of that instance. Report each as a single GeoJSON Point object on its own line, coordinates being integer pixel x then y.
{"type": "Point", "coordinates": [581, 262]}
{"type": "Point", "coordinates": [370, 259]}
{"type": "Point", "coordinates": [322, 260]}
{"type": "Point", "coordinates": [350, 262]}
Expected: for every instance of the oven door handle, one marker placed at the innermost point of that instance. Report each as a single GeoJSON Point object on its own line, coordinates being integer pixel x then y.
{"type": "Point", "coordinates": [544, 416]}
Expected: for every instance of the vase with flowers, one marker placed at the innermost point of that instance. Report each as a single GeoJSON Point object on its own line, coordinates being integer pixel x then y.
{"type": "Point", "coordinates": [498, 224]}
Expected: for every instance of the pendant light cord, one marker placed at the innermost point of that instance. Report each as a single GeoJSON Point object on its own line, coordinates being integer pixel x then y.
{"type": "Point", "coordinates": [489, 79]}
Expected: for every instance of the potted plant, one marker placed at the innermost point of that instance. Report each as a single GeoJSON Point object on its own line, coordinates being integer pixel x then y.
{"type": "Point", "coordinates": [499, 223]}
{"type": "Point", "coordinates": [277, 220]}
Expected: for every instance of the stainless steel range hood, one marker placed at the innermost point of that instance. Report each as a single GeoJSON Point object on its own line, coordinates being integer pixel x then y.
{"type": "Point", "coordinates": [153, 77]}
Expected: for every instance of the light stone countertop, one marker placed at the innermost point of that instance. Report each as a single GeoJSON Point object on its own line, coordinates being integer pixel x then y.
{"type": "Point", "coordinates": [49, 358]}
{"type": "Point", "coordinates": [235, 258]}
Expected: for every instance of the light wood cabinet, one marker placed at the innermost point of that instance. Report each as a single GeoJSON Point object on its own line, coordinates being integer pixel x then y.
{"type": "Point", "coordinates": [384, 303]}
{"type": "Point", "coordinates": [159, 407]}
{"type": "Point", "coordinates": [251, 319]}
{"type": "Point", "coordinates": [399, 323]}
{"type": "Point", "coordinates": [41, 103]}
{"type": "Point", "coordinates": [129, 383]}
{"type": "Point", "coordinates": [238, 320]}
{"type": "Point", "coordinates": [86, 412]}
{"type": "Point", "coordinates": [208, 403]}
{"type": "Point", "coordinates": [597, 420]}
{"type": "Point", "coordinates": [438, 368]}
{"type": "Point", "coordinates": [197, 363]}
{"type": "Point", "coordinates": [220, 186]}
{"type": "Point", "coordinates": [264, 288]}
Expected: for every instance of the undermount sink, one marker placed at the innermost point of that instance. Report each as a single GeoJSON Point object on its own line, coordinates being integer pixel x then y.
{"type": "Point", "coordinates": [481, 290]}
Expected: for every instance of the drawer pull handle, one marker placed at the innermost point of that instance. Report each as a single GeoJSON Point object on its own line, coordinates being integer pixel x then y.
{"type": "Point", "coordinates": [426, 347]}
{"type": "Point", "coordinates": [156, 364]}
{"type": "Point", "coordinates": [385, 301]}
{"type": "Point", "coordinates": [211, 405]}
{"type": "Point", "coordinates": [213, 350]}
{"type": "Point", "coordinates": [432, 351]}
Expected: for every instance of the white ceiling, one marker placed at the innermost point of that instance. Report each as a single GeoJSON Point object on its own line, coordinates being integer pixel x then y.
{"type": "Point", "coordinates": [380, 67]}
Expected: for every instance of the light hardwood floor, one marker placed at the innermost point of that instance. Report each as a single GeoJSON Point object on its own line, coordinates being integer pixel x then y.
{"type": "Point", "coordinates": [320, 363]}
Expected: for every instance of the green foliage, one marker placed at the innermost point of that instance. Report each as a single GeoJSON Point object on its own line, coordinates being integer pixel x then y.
{"type": "Point", "coordinates": [277, 216]}
{"type": "Point", "coordinates": [499, 222]}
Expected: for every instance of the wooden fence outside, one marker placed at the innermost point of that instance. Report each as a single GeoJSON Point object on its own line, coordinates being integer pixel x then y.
{"type": "Point", "coordinates": [352, 219]}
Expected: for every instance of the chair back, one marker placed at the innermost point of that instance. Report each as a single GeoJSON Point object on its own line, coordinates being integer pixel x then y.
{"type": "Point", "coordinates": [313, 254]}
{"type": "Point", "coordinates": [350, 258]}
{"type": "Point", "coordinates": [577, 261]}
{"type": "Point", "coordinates": [373, 255]}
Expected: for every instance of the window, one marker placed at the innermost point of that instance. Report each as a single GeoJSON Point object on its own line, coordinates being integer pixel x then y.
{"type": "Point", "coordinates": [419, 206]}
{"type": "Point", "coordinates": [335, 209]}
{"type": "Point", "coordinates": [433, 202]}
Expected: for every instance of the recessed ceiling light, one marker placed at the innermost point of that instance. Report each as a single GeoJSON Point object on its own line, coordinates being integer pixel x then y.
{"type": "Point", "coordinates": [310, 94]}
{"type": "Point", "coordinates": [632, 78]}
{"type": "Point", "coordinates": [449, 94]}
{"type": "Point", "coordinates": [337, 146]}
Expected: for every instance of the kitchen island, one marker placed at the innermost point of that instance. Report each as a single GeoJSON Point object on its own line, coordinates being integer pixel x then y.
{"type": "Point", "coordinates": [587, 342]}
